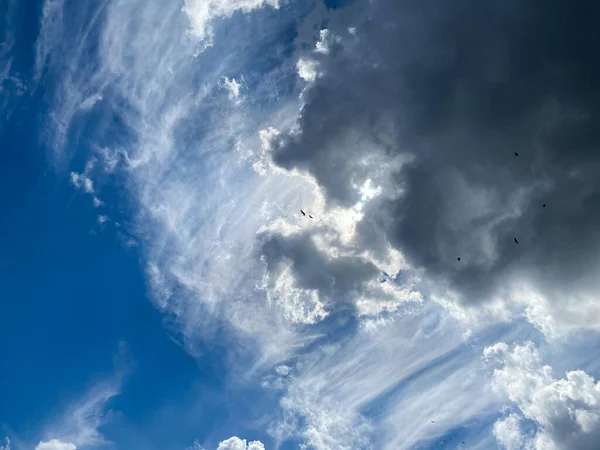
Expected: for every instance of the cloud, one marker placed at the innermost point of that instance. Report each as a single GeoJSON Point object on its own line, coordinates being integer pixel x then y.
{"type": "Point", "coordinates": [566, 411]}
{"type": "Point", "coordinates": [89, 102]}
{"type": "Point", "coordinates": [79, 424]}
{"type": "Point", "coordinates": [508, 433]}
{"type": "Point", "coordinates": [374, 388]}
{"type": "Point", "coordinates": [429, 103]}
{"type": "Point", "coordinates": [201, 13]}
{"type": "Point", "coordinates": [55, 444]}
{"type": "Point", "coordinates": [6, 445]}
{"type": "Point", "coordinates": [400, 147]}
{"type": "Point", "coordinates": [82, 181]}
{"type": "Point", "coordinates": [233, 87]}
{"type": "Point", "coordinates": [235, 443]}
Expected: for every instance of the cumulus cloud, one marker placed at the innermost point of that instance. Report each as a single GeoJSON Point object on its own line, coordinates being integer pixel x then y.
{"type": "Point", "coordinates": [233, 87]}
{"type": "Point", "coordinates": [566, 411]}
{"type": "Point", "coordinates": [508, 433]}
{"type": "Point", "coordinates": [82, 181]}
{"type": "Point", "coordinates": [235, 443]}
{"type": "Point", "coordinates": [55, 444]}
{"type": "Point", "coordinates": [430, 102]}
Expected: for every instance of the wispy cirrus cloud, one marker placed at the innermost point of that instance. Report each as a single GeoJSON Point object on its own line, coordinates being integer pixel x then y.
{"type": "Point", "coordinates": [78, 426]}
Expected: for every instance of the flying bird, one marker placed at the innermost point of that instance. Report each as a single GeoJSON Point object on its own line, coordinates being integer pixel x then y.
{"type": "Point", "coordinates": [458, 259]}
{"type": "Point", "coordinates": [544, 205]}
{"type": "Point", "coordinates": [310, 216]}
{"type": "Point", "coordinates": [516, 242]}
{"type": "Point", "coordinates": [516, 154]}
{"type": "Point", "coordinates": [303, 213]}
{"type": "Point", "coordinates": [433, 421]}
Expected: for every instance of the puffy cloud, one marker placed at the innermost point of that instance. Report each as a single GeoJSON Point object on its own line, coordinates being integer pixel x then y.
{"type": "Point", "coordinates": [55, 444]}
{"type": "Point", "coordinates": [566, 411]}
{"type": "Point", "coordinates": [311, 269]}
{"type": "Point", "coordinates": [233, 88]}
{"type": "Point", "coordinates": [235, 443]}
{"type": "Point", "coordinates": [508, 433]}
{"type": "Point", "coordinates": [82, 181]}
{"type": "Point", "coordinates": [430, 102]}
{"type": "Point", "coordinates": [307, 69]}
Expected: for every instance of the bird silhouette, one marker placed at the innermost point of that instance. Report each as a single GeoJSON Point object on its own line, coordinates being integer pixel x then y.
{"type": "Point", "coordinates": [516, 242]}
{"type": "Point", "coordinates": [303, 213]}
{"type": "Point", "coordinates": [433, 421]}
{"type": "Point", "coordinates": [458, 259]}
{"type": "Point", "coordinates": [516, 154]}
{"type": "Point", "coordinates": [310, 216]}
{"type": "Point", "coordinates": [544, 205]}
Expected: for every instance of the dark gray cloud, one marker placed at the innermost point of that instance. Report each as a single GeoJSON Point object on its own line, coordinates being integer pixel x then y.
{"type": "Point", "coordinates": [451, 90]}
{"type": "Point", "coordinates": [343, 279]}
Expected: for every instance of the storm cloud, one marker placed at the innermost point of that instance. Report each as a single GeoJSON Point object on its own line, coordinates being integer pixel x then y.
{"type": "Point", "coordinates": [430, 101]}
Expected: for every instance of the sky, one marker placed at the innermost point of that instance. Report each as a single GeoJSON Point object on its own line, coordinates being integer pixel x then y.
{"type": "Point", "coordinates": [160, 288]}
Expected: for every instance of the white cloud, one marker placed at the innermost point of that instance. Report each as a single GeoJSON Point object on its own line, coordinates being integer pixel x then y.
{"type": "Point", "coordinates": [90, 101]}
{"type": "Point", "coordinates": [97, 202]}
{"type": "Point", "coordinates": [566, 411]}
{"type": "Point", "coordinates": [233, 88]}
{"type": "Point", "coordinates": [201, 13]}
{"type": "Point", "coordinates": [307, 69]}
{"type": "Point", "coordinates": [327, 38]}
{"type": "Point", "coordinates": [79, 424]}
{"type": "Point", "coordinates": [102, 219]}
{"type": "Point", "coordinates": [82, 181]}
{"type": "Point", "coordinates": [508, 433]}
{"type": "Point", "coordinates": [55, 444]}
{"type": "Point", "coordinates": [235, 443]}
{"type": "Point", "coordinates": [332, 387]}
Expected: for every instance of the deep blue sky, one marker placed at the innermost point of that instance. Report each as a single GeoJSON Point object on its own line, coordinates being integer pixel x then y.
{"type": "Point", "coordinates": [72, 291]}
